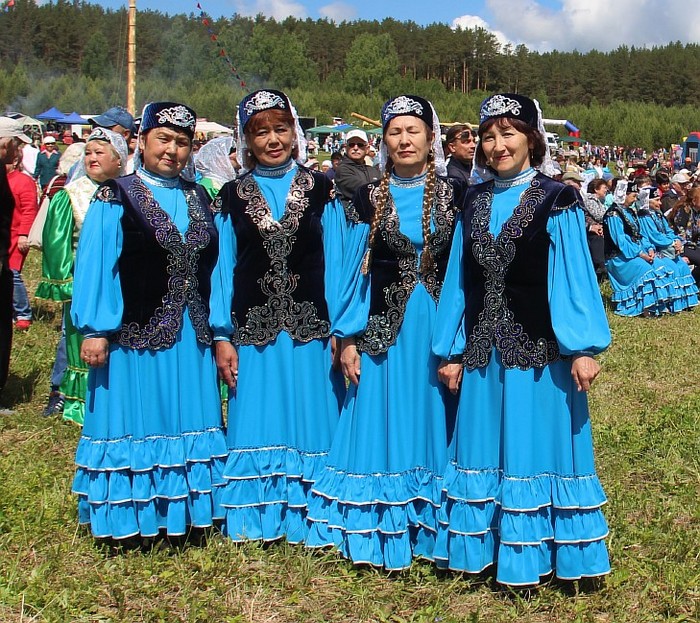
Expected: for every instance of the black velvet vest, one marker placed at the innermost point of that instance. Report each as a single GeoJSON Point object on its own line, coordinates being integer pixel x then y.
{"type": "Point", "coordinates": [630, 225]}
{"type": "Point", "coordinates": [395, 261]}
{"type": "Point", "coordinates": [161, 272]}
{"type": "Point", "coordinates": [505, 278]}
{"type": "Point", "coordinates": [278, 282]}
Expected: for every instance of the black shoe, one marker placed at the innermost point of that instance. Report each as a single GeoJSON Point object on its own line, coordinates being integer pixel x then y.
{"type": "Point", "coordinates": [55, 404]}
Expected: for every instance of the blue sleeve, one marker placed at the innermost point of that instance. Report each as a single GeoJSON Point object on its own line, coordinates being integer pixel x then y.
{"type": "Point", "coordinates": [448, 335]}
{"type": "Point", "coordinates": [98, 307]}
{"type": "Point", "coordinates": [222, 280]}
{"type": "Point", "coordinates": [334, 234]}
{"type": "Point", "coordinates": [575, 304]}
{"type": "Point", "coordinates": [651, 232]}
{"type": "Point", "coordinates": [352, 310]}
{"type": "Point", "coordinates": [628, 248]}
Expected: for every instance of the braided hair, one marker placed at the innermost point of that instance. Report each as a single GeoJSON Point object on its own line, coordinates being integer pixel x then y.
{"type": "Point", "coordinates": [427, 260]}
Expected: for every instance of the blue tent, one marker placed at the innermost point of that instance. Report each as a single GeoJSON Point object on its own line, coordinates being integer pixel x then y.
{"type": "Point", "coordinates": [51, 114]}
{"type": "Point", "coordinates": [73, 118]}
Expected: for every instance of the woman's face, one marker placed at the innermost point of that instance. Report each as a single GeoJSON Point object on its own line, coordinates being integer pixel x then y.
{"type": "Point", "coordinates": [165, 151]}
{"type": "Point", "coordinates": [601, 192]}
{"type": "Point", "coordinates": [408, 141]}
{"type": "Point", "coordinates": [272, 143]}
{"type": "Point", "coordinates": [506, 150]}
{"type": "Point", "coordinates": [101, 162]}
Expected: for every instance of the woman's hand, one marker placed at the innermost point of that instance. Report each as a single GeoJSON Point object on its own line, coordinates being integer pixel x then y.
{"type": "Point", "coordinates": [23, 244]}
{"type": "Point", "coordinates": [350, 360]}
{"type": "Point", "coordinates": [227, 362]}
{"type": "Point", "coordinates": [451, 375]}
{"type": "Point", "coordinates": [94, 351]}
{"type": "Point", "coordinates": [647, 257]}
{"type": "Point", "coordinates": [584, 369]}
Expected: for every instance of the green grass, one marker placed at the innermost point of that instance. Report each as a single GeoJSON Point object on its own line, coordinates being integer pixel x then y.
{"type": "Point", "coordinates": [645, 410]}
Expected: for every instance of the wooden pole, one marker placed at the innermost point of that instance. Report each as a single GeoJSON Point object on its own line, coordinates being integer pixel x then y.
{"type": "Point", "coordinates": [131, 60]}
{"type": "Point", "coordinates": [366, 119]}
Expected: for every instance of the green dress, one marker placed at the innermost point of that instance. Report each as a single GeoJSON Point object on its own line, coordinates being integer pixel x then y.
{"type": "Point", "coordinates": [60, 238]}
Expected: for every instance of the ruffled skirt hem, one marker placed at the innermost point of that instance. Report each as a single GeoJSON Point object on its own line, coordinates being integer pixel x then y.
{"type": "Point", "coordinates": [529, 527]}
{"type": "Point", "coordinates": [128, 487]}
{"type": "Point", "coordinates": [652, 293]}
{"type": "Point", "coordinates": [267, 491]}
{"type": "Point", "coordinates": [384, 520]}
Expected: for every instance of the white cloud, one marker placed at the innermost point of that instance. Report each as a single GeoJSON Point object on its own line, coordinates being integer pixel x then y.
{"type": "Point", "coordinates": [338, 12]}
{"type": "Point", "coordinates": [601, 24]}
{"type": "Point", "coordinates": [279, 9]}
{"type": "Point", "coordinates": [474, 21]}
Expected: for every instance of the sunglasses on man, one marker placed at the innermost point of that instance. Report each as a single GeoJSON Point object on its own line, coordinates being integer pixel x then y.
{"type": "Point", "coordinates": [466, 136]}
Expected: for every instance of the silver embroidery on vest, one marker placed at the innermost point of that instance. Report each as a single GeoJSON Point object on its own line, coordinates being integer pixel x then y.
{"type": "Point", "coordinates": [183, 255]}
{"type": "Point", "coordinates": [383, 328]}
{"type": "Point", "coordinates": [281, 312]}
{"type": "Point", "coordinates": [496, 325]}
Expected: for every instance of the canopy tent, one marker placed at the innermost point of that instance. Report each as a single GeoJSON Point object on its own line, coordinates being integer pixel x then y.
{"type": "Point", "coordinates": [211, 127]}
{"type": "Point", "coordinates": [73, 119]}
{"type": "Point", "coordinates": [571, 139]}
{"type": "Point", "coordinates": [51, 114]}
{"type": "Point", "coordinates": [341, 129]}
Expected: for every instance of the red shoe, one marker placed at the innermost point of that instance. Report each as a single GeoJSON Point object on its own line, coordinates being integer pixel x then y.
{"type": "Point", "coordinates": [23, 325]}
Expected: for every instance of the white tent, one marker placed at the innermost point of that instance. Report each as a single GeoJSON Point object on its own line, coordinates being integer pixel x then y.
{"type": "Point", "coordinates": [211, 127]}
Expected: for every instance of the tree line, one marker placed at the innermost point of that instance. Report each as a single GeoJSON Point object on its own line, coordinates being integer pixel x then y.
{"type": "Point", "coordinates": [71, 54]}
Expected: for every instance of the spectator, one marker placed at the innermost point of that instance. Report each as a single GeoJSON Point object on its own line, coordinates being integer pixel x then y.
{"type": "Point", "coordinates": [9, 128]}
{"type": "Point", "coordinates": [594, 207]}
{"type": "Point", "coordinates": [29, 155]}
{"type": "Point", "coordinates": [26, 207]}
{"type": "Point", "coordinates": [679, 184]}
{"type": "Point", "coordinates": [669, 247]}
{"type": "Point", "coordinates": [47, 162]}
{"type": "Point", "coordinates": [461, 145]}
{"type": "Point", "coordinates": [120, 120]}
{"type": "Point", "coordinates": [352, 172]}
{"type": "Point", "coordinates": [336, 157]}
{"type": "Point", "coordinates": [641, 285]}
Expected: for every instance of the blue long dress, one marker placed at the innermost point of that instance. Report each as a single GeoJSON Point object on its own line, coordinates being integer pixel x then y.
{"type": "Point", "coordinates": [521, 488]}
{"type": "Point", "coordinates": [637, 285]}
{"type": "Point", "coordinates": [153, 450]}
{"type": "Point", "coordinates": [656, 229]}
{"type": "Point", "coordinates": [380, 491]}
{"type": "Point", "coordinates": [283, 415]}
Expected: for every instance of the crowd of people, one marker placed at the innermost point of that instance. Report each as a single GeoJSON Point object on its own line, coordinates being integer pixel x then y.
{"type": "Point", "coordinates": [406, 344]}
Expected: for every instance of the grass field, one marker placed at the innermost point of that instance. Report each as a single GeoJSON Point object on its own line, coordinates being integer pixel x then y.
{"type": "Point", "coordinates": [645, 410]}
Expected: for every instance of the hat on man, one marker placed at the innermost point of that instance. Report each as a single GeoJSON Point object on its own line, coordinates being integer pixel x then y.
{"type": "Point", "coordinates": [361, 134]}
{"type": "Point", "coordinates": [12, 128]}
{"type": "Point", "coordinates": [49, 140]}
{"type": "Point", "coordinates": [117, 115]}
{"type": "Point", "coordinates": [680, 178]}
{"type": "Point", "coordinates": [571, 175]}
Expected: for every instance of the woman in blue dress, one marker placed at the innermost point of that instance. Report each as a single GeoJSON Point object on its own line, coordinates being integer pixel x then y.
{"type": "Point", "coordinates": [641, 283]}
{"type": "Point", "coordinates": [669, 247]}
{"type": "Point", "coordinates": [152, 452]}
{"type": "Point", "coordinates": [519, 321]}
{"type": "Point", "coordinates": [378, 497]}
{"type": "Point", "coordinates": [273, 292]}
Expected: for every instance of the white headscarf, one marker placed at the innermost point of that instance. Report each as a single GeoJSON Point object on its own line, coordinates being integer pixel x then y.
{"type": "Point", "coordinates": [213, 161]}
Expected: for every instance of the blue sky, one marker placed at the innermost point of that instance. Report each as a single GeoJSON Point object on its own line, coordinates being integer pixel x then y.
{"type": "Point", "coordinates": [541, 25]}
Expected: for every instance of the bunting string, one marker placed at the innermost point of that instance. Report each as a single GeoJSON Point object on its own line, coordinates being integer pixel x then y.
{"type": "Point", "coordinates": [207, 23]}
